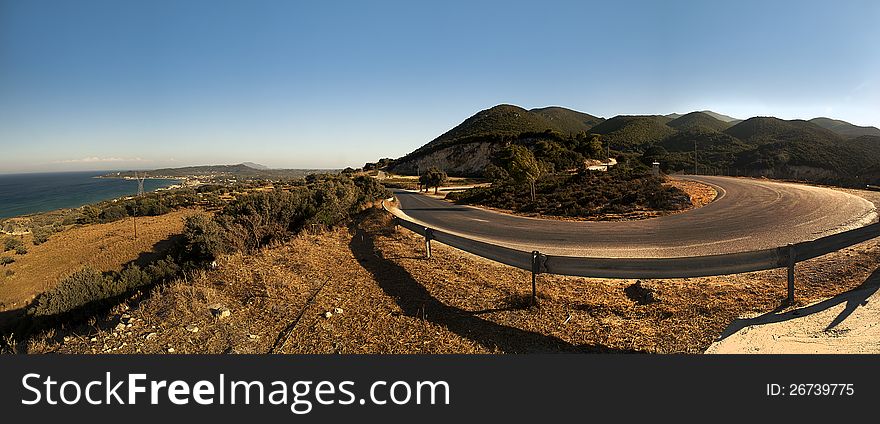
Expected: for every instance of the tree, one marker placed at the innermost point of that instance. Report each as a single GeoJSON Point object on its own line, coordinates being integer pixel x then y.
{"type": "Point", "coordinates": [423, 181]}
{"type": "Point", "coordinates": [433, 177]}
{"type": "Point", "coordinates": [495, 173]}
{"type": "Point", "coordinates": [521, 165]}
{"type": "Point", "coordinates": [594, 147]}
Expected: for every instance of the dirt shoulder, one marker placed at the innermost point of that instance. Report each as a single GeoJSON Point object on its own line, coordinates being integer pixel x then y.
{"type": "Point", "coordinates": [384, 297]}
{"type": "Point", "coordinates": [846, 323]}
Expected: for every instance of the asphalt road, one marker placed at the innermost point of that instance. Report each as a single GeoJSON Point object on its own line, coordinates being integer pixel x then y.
{"type": "Point", "coordinates": [748, 215]}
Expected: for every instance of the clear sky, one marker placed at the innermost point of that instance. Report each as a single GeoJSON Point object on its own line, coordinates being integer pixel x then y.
{"type": "Point", "coordinates": [138, 84]}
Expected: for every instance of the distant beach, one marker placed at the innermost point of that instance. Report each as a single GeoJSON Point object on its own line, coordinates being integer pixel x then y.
{"type": "Point", "coordinates": [22, 194]}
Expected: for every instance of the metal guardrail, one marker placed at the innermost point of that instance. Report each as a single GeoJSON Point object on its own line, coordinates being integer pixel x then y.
{"type": "Point", "coordinates": [646, 268]}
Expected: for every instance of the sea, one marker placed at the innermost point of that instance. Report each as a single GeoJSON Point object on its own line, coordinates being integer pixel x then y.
{"type": "Point", "coordinates": [22, 194]}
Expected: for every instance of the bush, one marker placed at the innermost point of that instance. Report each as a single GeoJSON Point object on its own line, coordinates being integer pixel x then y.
{"type": "Point", "coordinates": [370, 189]}
{"type": "Point", "coordinates": [89, 286]}
{"type": "Point", "coordinates": [41, 235]}
{"type": "Point", "coordinates": [11, 243]}
{"type": "Point", "coordinates": [203, 238]}
{"type": "Point", "coordinates": [21, 250]}
{"type": "Point", "coordinates": [77, 290]}
{"type": "Point", "coordinates": [132, 277]}
{"type": "Point", "coordinates": [112, 213]}
{"type": "Point", "coordinates": [6, 260]}
{"type": "Point", "coordinates": [335, 199]}
{"type": "Point", "coordinates": [587, 194]}
{"type": "Point", "coordinates": [256, 219]}
{"type": "Point", "coordinates": [163, 270]}
{"type": "Point", "coordinates": [90, 215]}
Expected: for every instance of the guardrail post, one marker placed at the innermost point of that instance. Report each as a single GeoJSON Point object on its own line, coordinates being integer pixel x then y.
{"type": "Point", "coordinates": [537, 266]}
{"type": "Point", "coordinates": [429, 235]}
{"type": "Point", "coordinates": [792, 260]}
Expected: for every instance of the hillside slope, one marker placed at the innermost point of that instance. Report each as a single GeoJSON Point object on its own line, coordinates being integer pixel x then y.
{"type": "Point", "coordinates": [698, 120]}
{"type": "Point", "coordinates": [845, 128]}
{"type": "Point", "coordinates": [633, 132]}
{"type": "Point", "coordinates": [567, 121]}
{"type": "Point", "coordinates": [759, 146]}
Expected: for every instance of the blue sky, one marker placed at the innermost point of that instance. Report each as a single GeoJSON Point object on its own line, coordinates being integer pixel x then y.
{"type": "Point", "coordinates": [141, 84]}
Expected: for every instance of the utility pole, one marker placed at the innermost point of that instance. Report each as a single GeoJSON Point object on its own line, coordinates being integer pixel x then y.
{"type": "Point", "coordinates": [140, 181]}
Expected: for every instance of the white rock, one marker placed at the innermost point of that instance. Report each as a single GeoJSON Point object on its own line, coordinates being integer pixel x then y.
{"type": "Point", "coordinates": [328, 314]}
{"type": "Point", "coordinates": [170, 350]}
{"type": "Point", "coordinates": [220, 311]}
{"type": "Point", "coordinates": [192, 328]}
{"type": "Point", "coordinates": [337, 311]}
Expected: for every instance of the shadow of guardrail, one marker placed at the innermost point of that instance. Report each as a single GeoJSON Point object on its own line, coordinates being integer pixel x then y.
{"type": "Point", "coordinates": [852, 298]}
{"type": "Point", "coordinates": [416, 301]}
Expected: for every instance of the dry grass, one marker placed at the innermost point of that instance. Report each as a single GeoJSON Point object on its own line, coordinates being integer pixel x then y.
{"type": "Point", "coordinates": [394, 301]}
{"type": "Point", "coordinates": [701, 194]}
{"type": "Point", "coordinates": [104, 247]}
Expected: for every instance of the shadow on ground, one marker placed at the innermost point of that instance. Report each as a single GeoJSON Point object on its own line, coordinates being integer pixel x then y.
{"type": "Point", "coordinates": [853, 299]}
{"type": "Point", "coordinates": [415, 301]}
{"type": "Point", "coordinates": [22, 325]}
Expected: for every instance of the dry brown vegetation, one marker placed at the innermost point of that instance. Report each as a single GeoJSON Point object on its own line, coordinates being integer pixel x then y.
{"type": "Point", "coordinates": [384, 297]}
{"type": "Point", "coordinates": [104, 247]}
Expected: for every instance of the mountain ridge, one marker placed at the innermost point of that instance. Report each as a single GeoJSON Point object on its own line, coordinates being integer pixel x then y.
{"type": "Point", "coordinates": [757, 146]}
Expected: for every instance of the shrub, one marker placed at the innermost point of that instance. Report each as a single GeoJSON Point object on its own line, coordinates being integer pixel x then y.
{"type": "Point", "coordinates": [335, 200]}
{"type": "Point", "coordinates": [11, 243]}
{"type": "Point", "coordinates": [583, 195]}
{"type": "Point", "coordinates": [370, 189]}
{"type": "Point", "coordinates": [90, 215]}
{"type": "Point", "coordinates": [256, 219]}
{"type": "Point", "coordinates": [112, 213]}
{"type": "Point", "coordinates": [163, 270]}
{"type": "Point", "coordinates": [6, 260]}
{"type": "Point", "coordinates": [132, 277]}
{"type": "Point", "coordinates": [203, 238]}
{"type": "Point", "coordinates": [77, 290]}
{"type": "Point", "coordinates": [41, 235]}
{"type": "Point", "coordinates": [21, 250]}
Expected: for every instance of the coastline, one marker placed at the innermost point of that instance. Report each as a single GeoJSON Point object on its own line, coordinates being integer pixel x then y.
{"type": "Point", "coordinates": [30, 195]}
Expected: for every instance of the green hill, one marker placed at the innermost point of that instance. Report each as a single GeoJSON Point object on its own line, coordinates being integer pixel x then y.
{"type": "Point", "coordinates": [567, 121]}
{"type": "Point", "coordinates": [563, 139]}
{"type": "Point", "coordinates": [499, 121]}
{"type": "Point", "coordinates": [633, 132]}
{"type": "Point", "coordinates": [845, 128]}
{"type": "Point", "coordinates": [722, 118]}
{"type": "Point", "coordinates": [716, 115]}
{"type": "Point", "coordinates": [769, 129]}
{"type": "Point", "coordinates": [698, 120]}
{"type": "Point", "coordinates": [509, 121]}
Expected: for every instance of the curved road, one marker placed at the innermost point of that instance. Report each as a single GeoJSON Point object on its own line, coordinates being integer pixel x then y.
{"type": "Point", "coordinates": [747, 215]}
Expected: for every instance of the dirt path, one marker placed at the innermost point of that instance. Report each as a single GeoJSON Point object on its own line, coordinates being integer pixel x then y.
{"type": "Point", "coordinates": [847, 323]}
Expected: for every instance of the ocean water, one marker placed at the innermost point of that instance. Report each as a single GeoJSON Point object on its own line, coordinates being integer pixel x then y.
{"type": "Point", "coordinates": [22, 194]}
